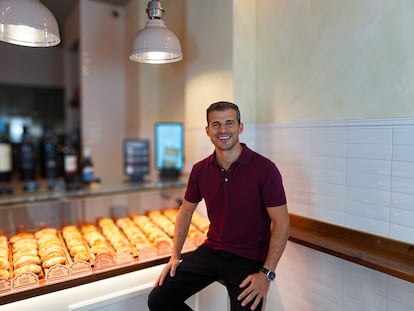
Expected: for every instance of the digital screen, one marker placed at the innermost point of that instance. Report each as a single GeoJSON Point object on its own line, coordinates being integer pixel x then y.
{"type": "Point", "coordinates": [136, 157]}
{"type": "Point", "coordinates": [169, 146]}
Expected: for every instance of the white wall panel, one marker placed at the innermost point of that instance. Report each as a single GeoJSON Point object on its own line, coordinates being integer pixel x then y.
{"type": "Point", "coordinates": [103, 85]}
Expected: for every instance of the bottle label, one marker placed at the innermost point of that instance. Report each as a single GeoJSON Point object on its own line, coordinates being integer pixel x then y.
{"type": "Point", "coordinates": [87, 174]}
{"type": "Point", "coordinates": [71, 164]}
{"type": "Point", "coordinates": [5, 158]}
{"type": "Point", "coordinates": [27, 160]}
{"type": "Point", "coordinates": [51, 164]}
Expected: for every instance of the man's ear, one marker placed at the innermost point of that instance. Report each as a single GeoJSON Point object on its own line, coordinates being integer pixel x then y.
{"type": "Point", "coordinates": [241, 127]}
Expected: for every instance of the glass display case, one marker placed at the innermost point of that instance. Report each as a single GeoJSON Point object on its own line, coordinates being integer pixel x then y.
{"type": "Point", "coordinates": [35, 212]}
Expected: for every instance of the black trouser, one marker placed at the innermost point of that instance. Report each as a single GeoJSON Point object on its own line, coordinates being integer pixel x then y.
{"type": "Point", "coordinates": [197, 271]}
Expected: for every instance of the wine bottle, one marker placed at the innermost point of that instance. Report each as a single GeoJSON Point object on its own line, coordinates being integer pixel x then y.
{"type": "Point", "coordinates": [27, 157]}
{"type": "Point", "coordinates": [87, 167]}
{"type": "Point", "coordinates": [70, 165]}
{"type": "Point", "coordinates": [5, 154]}
{"type": "Point", "coordinates": [49, 149]}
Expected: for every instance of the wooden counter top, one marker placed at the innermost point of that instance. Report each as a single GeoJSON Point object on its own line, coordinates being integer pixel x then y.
{"type": "Point", "coordinates": [386, 255]}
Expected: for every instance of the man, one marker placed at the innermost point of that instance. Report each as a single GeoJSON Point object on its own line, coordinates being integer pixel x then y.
{"type": "Point", "coordinates": [249, 222]}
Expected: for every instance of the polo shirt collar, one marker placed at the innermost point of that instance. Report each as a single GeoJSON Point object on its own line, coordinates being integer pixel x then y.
{"type": "Point", "coordinates": [244, 157]}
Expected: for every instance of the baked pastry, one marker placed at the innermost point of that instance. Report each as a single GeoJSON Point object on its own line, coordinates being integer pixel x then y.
{"type": "Point", "coordinates": [200, 222]}
{"type": "Point", "coordinates": [196, 235]}
{"type": "Point", "coordinates": [51, 248]}
{"type": "Point", "coordinates": [21, 235]}
{"type": "Point", "coordinates": [133, 233]}
{"type": "Point", "coordinates": [115, 236]}
{"type": "Point", "coordinates": [83, 255]}
{"type": "Point", "coordinates": [95, 239]}
{"type": "Point", "coordinates": [34, 268]}
{"type": "Point", "coordinates": [53, 260]}
{"type": "Point", "coordinates": [25, 260]}
{"type": "Point", "coordinates": [25, 251]}
{"type": "Point", "coordinates": [4, 253]}
{"type": "Point", "coordinates": [24, 243]}
{"type": "Point", "coordinates": [25, 255]}
{"type": "Point", "coordinates": [162, 221]}
{"type": "Point", "coordinates": [153, 232]}
{"type": "Point", "coordinates": [75, 244]}
{"type": "Point", "coordinates": [46, 231]}
{"type": "Point", "coordinates": [4, 274]}
{"type": "Point", "coordinates": [100, 248]}
{"type": "Point", "coordinates": [4, 263]}
{"type": "Point", "coordinates": [4, 244]}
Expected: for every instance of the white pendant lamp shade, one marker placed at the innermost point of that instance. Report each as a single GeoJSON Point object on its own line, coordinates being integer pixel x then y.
{"type": "Point", "coordinates": [155, 44]}
{"type": "Point", "coordinates": [28, 23]}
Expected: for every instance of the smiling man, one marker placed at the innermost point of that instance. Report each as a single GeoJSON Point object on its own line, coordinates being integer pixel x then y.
{"type": "Point", "coordinates": [249, 222]}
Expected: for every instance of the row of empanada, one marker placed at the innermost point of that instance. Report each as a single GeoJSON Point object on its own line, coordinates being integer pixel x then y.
{"type": "Point", "coordinates": [115, 236]}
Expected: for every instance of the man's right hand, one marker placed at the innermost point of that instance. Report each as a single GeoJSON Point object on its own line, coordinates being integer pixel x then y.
{"type": "Point", "coordinates": [170, 268]}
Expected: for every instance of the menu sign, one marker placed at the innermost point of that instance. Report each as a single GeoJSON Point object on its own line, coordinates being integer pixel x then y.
{"type": "Point", "coordinates": [136, 158]}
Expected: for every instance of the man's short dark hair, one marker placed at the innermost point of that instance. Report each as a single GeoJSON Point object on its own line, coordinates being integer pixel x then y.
{"type": "Point", "coordinates": [221, 106]}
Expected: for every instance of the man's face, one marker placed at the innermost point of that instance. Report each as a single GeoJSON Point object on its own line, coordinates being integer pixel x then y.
{"type": "Point", "coordinates": [223, 129]}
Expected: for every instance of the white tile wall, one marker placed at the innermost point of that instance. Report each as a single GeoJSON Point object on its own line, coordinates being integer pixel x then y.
{"type": "Point", "coordinates": [308, 280]}
{"type": "Point", "coordinates": [400, 294]}
{"type": "Point", "coordinates": [357, 173]}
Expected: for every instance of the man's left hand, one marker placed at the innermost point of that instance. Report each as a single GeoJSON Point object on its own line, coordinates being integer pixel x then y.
{"type": "Point", "coordinates": [255, 287]}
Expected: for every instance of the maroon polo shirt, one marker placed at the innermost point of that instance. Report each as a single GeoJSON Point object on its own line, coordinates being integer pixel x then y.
{"type": "Point", "coordinates": [236, 201]}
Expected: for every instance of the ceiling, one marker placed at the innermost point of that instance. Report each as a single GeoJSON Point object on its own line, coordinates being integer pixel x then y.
{"type": "Point", "coordinates": [61, 8]}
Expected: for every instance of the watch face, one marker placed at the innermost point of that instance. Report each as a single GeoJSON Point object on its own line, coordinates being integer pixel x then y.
{"type": "Point", "coordinates": [271, 275]}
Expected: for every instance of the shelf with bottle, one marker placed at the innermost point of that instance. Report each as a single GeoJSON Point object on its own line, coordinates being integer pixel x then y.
{"type": "Point", "coordinates": [6, 164]}
{"type": "Point", "coordinates": [59, 171]}
{"type": "Point", "coordinates": [34, 163]}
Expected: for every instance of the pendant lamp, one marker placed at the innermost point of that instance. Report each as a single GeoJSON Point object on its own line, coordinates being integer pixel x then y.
{"type": "Point", "coordinates": [155, 44]}
{"type": "Point", "coordinates": [28, 23]}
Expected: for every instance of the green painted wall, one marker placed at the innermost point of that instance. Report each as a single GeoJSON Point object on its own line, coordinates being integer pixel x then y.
{"type": "Point", "coordinates": [336, 59]}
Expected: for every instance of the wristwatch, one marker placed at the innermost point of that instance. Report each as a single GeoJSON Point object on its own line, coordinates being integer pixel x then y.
{"type": "Point", "coordinates": [270, 275]}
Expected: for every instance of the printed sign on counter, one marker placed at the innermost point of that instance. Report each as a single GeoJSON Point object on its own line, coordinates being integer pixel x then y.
{"type": "Point", "coordinates": [57, 272]}
{"type": "Point", "coordinates": [5, 285]}
{"type": "Point", "coordinates": [80, 267]}
{"type": "Point", "coordinates": [104, 260]}
{"type": "Point", "coordinates": [25, 279]}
